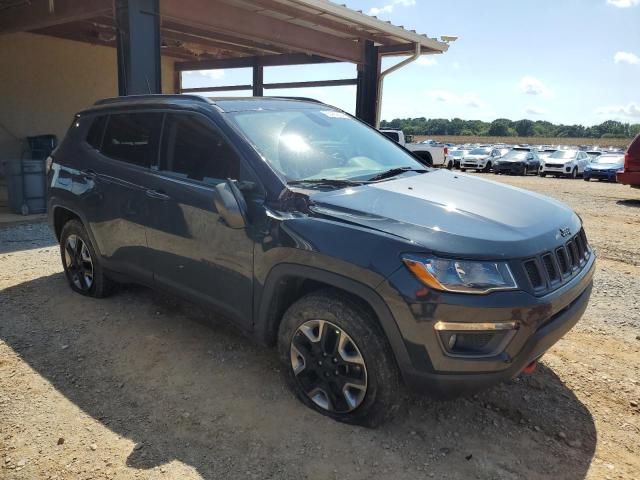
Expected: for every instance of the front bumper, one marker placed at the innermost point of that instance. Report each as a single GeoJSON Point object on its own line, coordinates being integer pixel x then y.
{"type": "Point", "coordinates": [629, 178]}
{"type": "Point", "coordinates": [542, 321]}
{"type": "Point", "coordinates": [563, 170]}
{"type": "Point", "coordinates": [509, 167]}
{"type": "Point", "coordinates": [600, 175]}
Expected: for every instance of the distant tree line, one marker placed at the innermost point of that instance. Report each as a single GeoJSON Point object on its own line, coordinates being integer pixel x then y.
{"type": "Point", "coordinates": [503, 127]}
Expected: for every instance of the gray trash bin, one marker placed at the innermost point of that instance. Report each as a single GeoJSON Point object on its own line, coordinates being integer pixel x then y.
{"type": "Point", "coordinates": [26, 186]}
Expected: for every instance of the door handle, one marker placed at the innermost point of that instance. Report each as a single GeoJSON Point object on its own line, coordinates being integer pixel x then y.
{"type": "Point", "coordinates": [158, 195]}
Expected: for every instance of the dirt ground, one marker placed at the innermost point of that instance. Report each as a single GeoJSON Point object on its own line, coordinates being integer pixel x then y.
{"type": "Point", "coordinates": [139, 386]}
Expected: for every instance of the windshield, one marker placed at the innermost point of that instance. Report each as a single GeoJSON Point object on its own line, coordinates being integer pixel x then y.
{"type": "Point", "coordinates": [457, 153]}
{"type": "Point", "coordinates": [515, 155]}
{"type": "Point", "coordinates": [320, 144]}
{"type": "Point", "coordinates": [607, 159]}
{"type": "Point", "coordinates": [564, 154]}
{"type": "Point", "coordinates": [480, 151]}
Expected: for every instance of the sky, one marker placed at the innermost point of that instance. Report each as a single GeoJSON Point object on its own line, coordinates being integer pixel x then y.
{"type": "Point", "coordinates": [565, 61]}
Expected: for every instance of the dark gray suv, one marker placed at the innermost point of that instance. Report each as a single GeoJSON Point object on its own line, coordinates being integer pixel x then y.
{"type": "Point", "coordinates": [314, 232]}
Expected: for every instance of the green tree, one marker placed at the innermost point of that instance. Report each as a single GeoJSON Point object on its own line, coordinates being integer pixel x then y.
{"type": "Point", "coordinates": [524, 128]}
{"type": "Point", "coordinates": [500, 127]}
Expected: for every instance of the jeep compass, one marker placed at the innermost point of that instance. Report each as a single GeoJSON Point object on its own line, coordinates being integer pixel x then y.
{"type": "Point", "coordinates": [314, 232]}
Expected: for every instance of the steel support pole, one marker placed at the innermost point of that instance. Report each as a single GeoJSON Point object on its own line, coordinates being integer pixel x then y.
{"type": "Point", "coordinates": [138, 46]}
{"type": "Point", "coordinates": [368, 79]}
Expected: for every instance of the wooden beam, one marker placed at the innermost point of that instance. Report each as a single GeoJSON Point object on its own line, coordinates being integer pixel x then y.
{"type": "Point", "coordinates": [318, 83]}
{"type": "Point", "coordinates": [224, 18]}
{"type": "Point", "coordinates": [246, 62]}
{"type": "Point", "coordinates": [37, 14]}
{"type": "Point", "coordinates": [221, 37]}
{"type": "Point", "coordinates": [318, 19]}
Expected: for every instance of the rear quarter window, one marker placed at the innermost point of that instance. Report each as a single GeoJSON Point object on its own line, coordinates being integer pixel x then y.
{"type": "Point", "coordinates": [133, 138]}
{"type": "Point", "coordinates": [96, 132]}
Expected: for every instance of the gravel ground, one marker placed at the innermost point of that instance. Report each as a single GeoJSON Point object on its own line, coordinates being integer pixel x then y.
{"type": "Point", "coordinates": [140, 386]}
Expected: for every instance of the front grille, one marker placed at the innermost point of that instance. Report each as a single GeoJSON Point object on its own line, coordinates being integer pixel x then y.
{"type": "Point", "coordinates": [554, 165]}
{"type": "Point", "coordinates": [550, 269]}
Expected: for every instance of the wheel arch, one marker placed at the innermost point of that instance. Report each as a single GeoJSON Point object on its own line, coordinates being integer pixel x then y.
{"type": "Point", "coordinates": [286, 283]}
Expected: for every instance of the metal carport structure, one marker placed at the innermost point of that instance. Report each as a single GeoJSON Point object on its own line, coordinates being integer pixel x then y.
{"type": "Point", "coordinates": [210, 34]}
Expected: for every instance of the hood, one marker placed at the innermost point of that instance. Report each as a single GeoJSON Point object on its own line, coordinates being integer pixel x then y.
{"type": "Point", "coordinates": [475, 157]}
{"type": "Point", "coordinates": [453, 214]}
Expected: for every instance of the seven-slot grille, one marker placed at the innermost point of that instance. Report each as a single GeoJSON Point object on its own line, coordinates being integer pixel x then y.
{"type": "Point", "coordinates": [550, 269]}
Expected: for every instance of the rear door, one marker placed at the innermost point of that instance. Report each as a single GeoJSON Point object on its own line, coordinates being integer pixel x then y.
{"type": "Point", "coordinates": [194, 252]}
{"type": "Point", "coordinates": [123, 146]}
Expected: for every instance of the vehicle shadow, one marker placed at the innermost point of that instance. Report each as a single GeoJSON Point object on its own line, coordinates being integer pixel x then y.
{"type": "Point", "coordinates": [26, 236]}
{"type": "Point", "coordinates": [629, 202]}
{"type": "Point", "coordinates": [185, 387]}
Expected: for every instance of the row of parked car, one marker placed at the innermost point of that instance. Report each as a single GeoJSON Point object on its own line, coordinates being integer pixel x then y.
{"type": "Point", "coordinates": [543, 160]}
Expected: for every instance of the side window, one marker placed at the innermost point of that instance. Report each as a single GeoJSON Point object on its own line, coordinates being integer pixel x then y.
{"type": "Point", "coordinates": [133, 138]}
{"type": "Point", "coordinates": [96, 132]}
{"type": "Point", "coordinates": [193, 149]}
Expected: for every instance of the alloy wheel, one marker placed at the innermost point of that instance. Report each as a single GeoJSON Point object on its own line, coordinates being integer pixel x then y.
{"type": "Point", "coordinates": [78, 262]}
{"type": "Point", "coordinates": [328, 366]}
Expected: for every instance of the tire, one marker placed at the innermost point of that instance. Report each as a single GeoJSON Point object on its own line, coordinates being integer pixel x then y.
{"type": "Point", "coordinates": [487, 168]}
{"type": "Point", "coordinates": [574, 173]}
{"type": "Point", "coordinates": [450, 165]}
{"type": "Point", "coordinates": [586, 179]}
{"type": "Point", "coordinates": [463, 170]}
{"type": "Point", "coordinates": [380, 394]}
{"type": "Point", "coordinates": [74, 239]}
{"type": "Point", "coordinates": [542, 174]}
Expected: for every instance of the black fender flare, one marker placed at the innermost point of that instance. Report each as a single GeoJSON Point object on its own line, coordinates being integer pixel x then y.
{"type": "Point", "coordinates": [264, 326]}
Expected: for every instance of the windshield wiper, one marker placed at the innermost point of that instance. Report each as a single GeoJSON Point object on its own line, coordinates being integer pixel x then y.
{"type": "Point", "coordinates": [395, 172]}
{"type": "Point", "coordinates": [329, 182]}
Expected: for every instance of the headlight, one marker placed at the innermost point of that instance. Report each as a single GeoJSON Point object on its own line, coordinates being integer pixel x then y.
{"type": "Point", "coordinates": [462, 276]}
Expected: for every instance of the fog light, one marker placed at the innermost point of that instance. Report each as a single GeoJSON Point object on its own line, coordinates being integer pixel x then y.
{"type": "Point", "coordinates": [463, 339]}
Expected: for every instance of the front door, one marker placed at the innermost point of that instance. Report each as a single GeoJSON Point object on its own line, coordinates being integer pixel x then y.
{"type": "Point", "coordinates": [194, 252]}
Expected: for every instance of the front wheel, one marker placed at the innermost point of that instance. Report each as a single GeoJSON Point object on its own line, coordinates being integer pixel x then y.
{"type": "Point", "coordinates": [542, 174]}
{"type": "Point", "coordinates": [450, 165]}
{"type": "Point", "coordinates": [463, 170]}
{"type": "Point", "coordinates": [337, 360]}
{"type": "Point", "coordinates": [81, 263]}
{"type": "Point", "coordinates": [586, 179]}
{"type": "Point", "coordinates": [574, 173]}
{"type": "Point", "coordinates": [487, 168]}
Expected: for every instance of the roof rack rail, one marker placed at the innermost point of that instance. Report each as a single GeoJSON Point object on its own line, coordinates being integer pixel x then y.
{"type": "Point", "coordinates": [304, 99]}
{"type": "Point", "coordinates": [195, 98]}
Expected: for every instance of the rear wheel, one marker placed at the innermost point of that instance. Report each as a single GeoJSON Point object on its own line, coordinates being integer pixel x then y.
{"type": "Point", "coordinates": [338, 361]}
{"type": "Point", "coordinates": [81, 263]}
{"type": "Point", "coordinates": [450, 165]}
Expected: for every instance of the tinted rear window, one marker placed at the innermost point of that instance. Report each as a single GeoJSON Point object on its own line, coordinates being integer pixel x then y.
{"type": "Point", "coordinates": [392, 135]}
{"type": "Point", "coordinates": [96, 131]}
{"type": "Point", "coordinates": [133, 138]}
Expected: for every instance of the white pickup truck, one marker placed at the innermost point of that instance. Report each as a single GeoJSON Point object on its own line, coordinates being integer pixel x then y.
{"type": "Point", "coordinates": [434, 155]}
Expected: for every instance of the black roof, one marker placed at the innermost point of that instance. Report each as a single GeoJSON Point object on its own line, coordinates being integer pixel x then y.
{"type": "Point", "coordinates": [224, 104]}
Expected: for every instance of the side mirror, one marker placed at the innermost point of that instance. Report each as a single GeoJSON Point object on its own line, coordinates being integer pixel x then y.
{"type": "Point", "coordinates": [230, 204]}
